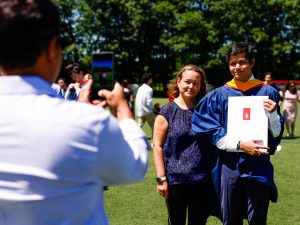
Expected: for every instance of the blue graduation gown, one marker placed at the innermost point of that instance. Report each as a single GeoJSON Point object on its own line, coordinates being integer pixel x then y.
{"type": "Point", "coordinates": [73, 95]}
{"type": "Point", "coordinates": [210, 117]}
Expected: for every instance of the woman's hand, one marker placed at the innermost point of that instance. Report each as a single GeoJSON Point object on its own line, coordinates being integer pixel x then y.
{"type": "Point", "coordinates": [163, 189]}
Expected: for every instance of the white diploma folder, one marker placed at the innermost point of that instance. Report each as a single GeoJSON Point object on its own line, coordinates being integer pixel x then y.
{"type": "Point", "coordinates": [247, 119]}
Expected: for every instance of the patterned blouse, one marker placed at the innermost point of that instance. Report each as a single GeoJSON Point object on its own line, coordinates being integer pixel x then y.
{"type": "Point", "coordinates": [187, 160]}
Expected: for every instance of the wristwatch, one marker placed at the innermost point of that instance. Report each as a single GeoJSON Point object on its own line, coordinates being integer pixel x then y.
{"type": "Point", "coordinates": [160, 180]}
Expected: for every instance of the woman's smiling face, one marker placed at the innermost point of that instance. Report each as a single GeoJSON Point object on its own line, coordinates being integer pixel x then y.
{"type": "Point", "coordinates": [190, 83]}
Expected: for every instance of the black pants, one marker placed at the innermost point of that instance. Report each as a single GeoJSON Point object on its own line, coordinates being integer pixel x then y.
{"type": "Point", "coordinates": [191, 199]}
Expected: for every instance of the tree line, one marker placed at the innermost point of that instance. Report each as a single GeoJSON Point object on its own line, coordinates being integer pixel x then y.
{"type": "Point", "coordinates": [160, 36]}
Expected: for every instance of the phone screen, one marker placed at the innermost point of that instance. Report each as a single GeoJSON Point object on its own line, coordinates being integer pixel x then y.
{"type": "Point", "coordinates": [103, 72]}
{"type": "Point", "coordinates": [103, 69]}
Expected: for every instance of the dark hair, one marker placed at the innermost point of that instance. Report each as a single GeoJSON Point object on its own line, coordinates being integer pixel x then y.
{"type": "Point", "coordinates": [240, 48]}
{"type": "Point", "coordinates": [26, 27]}
{"type": "Point", "coordinates": [268, 73]}
{"type": "Point", "coordinates": [61, 78]}
{"type": "Point", "coordinates": [288, 86]}
{"type": "Point", "coordinates": [125, 83]}
{"type": "Point", "coordinates": [173, 90]}
{"type": "Point", "coordinates": [74, 68]}
{"type": "Point", "coordinates": [146, 77]}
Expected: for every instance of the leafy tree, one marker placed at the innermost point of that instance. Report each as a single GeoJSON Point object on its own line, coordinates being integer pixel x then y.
{"type": "Point", "coordinates": [271, 26]}
{"type": "Point", "coordinates": [160, 36]}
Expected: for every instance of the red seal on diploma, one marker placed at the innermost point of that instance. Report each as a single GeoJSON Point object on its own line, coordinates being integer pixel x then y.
{"type": "Point", "coordinates": [246, 113]}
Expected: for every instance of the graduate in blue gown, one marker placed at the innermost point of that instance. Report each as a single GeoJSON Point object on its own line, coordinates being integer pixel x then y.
{"type": "Point", "coordinates": [243, 173]}
{"type": "Point", "coordinates": [76, 72]}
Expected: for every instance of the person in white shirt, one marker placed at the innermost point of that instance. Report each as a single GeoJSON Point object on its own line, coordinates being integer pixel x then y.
{"type": "Point", "coordinates": [63, 86]}
{"type": "Point", "coordinates": [144, 102]}
{"type": "Point", "coordinates": [56, 155]}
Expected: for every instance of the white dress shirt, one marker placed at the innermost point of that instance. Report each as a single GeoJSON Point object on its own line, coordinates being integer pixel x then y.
{"type": "Point", "coordinates": [143, 101]}
{"type": "Point", "coordinates": [56, 155]}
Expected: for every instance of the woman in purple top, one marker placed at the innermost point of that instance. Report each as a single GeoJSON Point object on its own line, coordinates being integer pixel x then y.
{"type": "Point", "coordinates": [183, 163]}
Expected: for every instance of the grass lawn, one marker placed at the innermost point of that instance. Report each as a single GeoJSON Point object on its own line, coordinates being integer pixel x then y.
{"type": "Point", "coordinates": [139, 204]}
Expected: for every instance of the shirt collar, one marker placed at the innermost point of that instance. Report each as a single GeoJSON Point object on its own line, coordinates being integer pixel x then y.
{"type": "Point", "coordinates": [252, 77]}
{"type": "Point", "coordinates": [25, 84]}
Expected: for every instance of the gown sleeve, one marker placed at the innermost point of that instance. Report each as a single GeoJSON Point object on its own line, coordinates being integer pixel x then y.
{"type": "Point", "coordinates": [210, 116]}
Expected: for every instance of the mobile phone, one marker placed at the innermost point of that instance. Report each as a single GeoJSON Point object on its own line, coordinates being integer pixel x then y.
{"type": "Point", "coordinates": [102, 72]}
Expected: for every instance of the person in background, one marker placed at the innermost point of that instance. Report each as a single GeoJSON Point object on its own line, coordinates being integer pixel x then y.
{"type": "Point", "coordinates": [182, 162]}
{"type": "Point", "coordinates": [77, 74]}
{"type": "Point", "coordinates": [62, 86]}
{"type": "Point", "coordinates": [243, 174]}
{"type": "Point", "coordinates": [289, 107]}
{"type": "Point", "coordinates": [56, 155]}
{"type": "Point", "coordinates": [144, 102]}
{"type": "Point", "coordinates": [128, 94]}
{"type": "Point", "coordinates": [171, 92]}
{"type": "Point", "coordinates": [156, 108]}
{"type": "Point", "coordinates": [269, 80]}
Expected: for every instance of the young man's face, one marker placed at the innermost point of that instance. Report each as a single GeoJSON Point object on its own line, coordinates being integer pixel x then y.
{"type": "Point", "coordinates": [268, 79]}
{"type": "Point", "coordinates": [61, 83]}
{"type": "Point", "coordinates": [240, 67]}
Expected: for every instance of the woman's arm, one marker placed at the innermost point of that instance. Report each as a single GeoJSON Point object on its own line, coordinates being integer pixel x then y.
{"type": "Point", "coordinates": [159, 135]}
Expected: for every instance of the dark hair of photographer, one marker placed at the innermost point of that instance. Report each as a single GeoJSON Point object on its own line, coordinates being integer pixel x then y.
{"type": "Point", "coordinates": [25, 31]}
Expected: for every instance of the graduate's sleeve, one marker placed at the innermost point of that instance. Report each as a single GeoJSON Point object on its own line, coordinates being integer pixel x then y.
{"type": "Point", "coordinates": [274, 140]}
{"type": "Point", "coordinates": [208, 121]}
{"type": "Point", "coordinates": [275, 118]}
{"type": "Point", "coordinates": [210, 117]}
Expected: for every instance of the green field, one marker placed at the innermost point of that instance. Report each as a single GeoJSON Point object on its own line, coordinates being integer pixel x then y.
{"type": "Point", "coordinates": [138, 204]}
